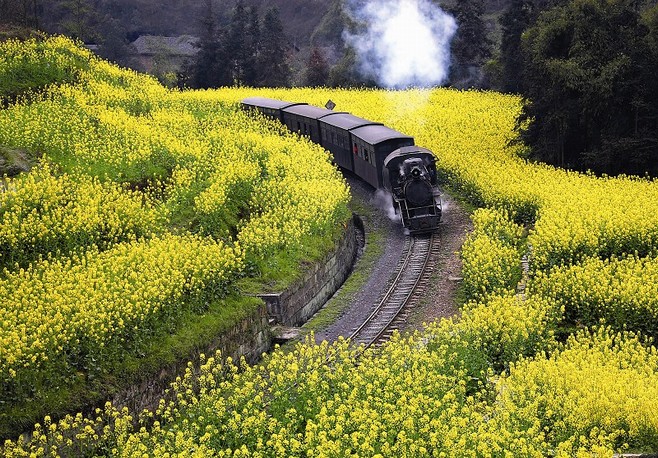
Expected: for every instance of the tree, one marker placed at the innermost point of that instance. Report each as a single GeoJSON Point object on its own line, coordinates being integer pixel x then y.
{"type": "Point", "coordinates": [20, 12]}
{"type": "Point", "coordinates": [514, 21]}
{"type": "Point", "coordinates": [113, 42]}
{"type": "Point", "coordinates": [505, 71]}
{"type": "Point", "coordinates": [346, 74]}
{"type": "Point", "coordinates": [317, 71]}
{"type": "Point", "coordinates": [590, 80]}
{"type": "Point", "coordinates": [471, 47]}
{"type": "Point", "coordinates": [209, 68]}
{"type": "Point", "coordinates": [272, 65]}
{"type": "Point", "coordinates": [252, 48]}
{"type": "Point", "coordinates": [79, 18]}
{"type": "Point", "coordinates": [235, 43]}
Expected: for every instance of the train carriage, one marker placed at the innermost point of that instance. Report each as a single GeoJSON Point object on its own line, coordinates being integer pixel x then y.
{"type": "Point", "coordinates": [381, 156]}
{"type": "Point", "coordinates": [370, 146]}
{"type": "Point", "coordinates": [305, 120]}
{"type": "Point", "coordinates": [335, 136]}
{"type": "Point", "coordinates": [269, 107]}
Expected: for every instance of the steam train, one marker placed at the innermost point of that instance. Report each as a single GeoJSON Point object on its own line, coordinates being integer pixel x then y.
{"type": "Point", "coordinates": [377, 154]}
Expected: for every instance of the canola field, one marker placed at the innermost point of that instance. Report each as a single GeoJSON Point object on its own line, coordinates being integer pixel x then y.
{"type": "Point", "coordinates": [146, 205]}
{"type": "Point", "coordinates": [552, 360]}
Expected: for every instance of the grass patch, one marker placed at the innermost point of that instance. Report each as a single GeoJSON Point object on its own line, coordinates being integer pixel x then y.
{"type": "Point", "coordinates": [464, 202]}
{"type": "Point", "coordinates": [277, 272]}
{"type": "Point", "coordinates": [193, 335]}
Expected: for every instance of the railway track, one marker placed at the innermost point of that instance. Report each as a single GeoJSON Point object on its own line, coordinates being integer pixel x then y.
{"type": "Point", "coordinates": [411, 279]}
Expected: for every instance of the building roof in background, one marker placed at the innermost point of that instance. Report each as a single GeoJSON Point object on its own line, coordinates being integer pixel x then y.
{"type": "Point", "coordinates": [183, 45]}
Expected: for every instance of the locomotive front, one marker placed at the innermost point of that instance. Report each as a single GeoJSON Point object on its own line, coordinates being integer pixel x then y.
{"type": "Point", "coordinates": [410, 177]}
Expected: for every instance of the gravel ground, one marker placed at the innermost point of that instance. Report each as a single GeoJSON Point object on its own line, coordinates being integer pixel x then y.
{"type": "Point", "coordinates": [440, 300]}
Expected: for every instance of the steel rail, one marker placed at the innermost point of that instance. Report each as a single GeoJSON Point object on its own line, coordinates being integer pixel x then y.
{"type": "Point", "coordinates": [399, 293]}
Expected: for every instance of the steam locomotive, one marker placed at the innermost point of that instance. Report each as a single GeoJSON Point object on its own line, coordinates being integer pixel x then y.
{"type": "Point", "coordinates": [377, 154]}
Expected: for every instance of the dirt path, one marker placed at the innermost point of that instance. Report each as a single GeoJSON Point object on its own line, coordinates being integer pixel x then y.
{"type": "Point", "coordinates": [440, 301]}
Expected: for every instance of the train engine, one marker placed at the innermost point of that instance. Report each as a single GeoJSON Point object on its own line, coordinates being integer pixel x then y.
{"type": "Point", "coordinates": [410, 176]}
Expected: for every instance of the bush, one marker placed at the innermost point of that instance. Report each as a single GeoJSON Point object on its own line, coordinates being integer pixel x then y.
{"type": "Point", "coordinates": [491, 255]}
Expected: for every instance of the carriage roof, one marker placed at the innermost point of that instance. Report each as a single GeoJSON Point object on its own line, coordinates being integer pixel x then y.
{"type": "Point", "coordinates": [263, 102]}
{"type": "Point", "coordinates": [309, 111]}
{"type": "Point", "coordinates": [375, 134]}
{"type": "Point", "coordinates": [346, 121]}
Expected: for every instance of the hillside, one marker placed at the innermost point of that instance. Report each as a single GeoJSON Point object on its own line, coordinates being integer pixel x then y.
{"type": "Point", "coordinates": [146, 202]}
{"type": "Point", "coordinates": [115, 24]}
{"type": "Point", "coordinates": [300, 17]}
{"type": "Point", "coordinates": [140, 17]}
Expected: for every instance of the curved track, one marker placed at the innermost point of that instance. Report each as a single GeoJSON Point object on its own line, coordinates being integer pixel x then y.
{"type": "Point", "coordinates": [412, 274]}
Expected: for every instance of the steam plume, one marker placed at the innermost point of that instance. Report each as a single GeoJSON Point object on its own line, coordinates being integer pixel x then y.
{"type": "Point", "coordinates": [401, 43]}
{"type": "Point", "coordinates": [384, 201]}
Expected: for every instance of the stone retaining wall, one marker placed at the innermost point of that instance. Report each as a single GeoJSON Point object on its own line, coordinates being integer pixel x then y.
{"type": "Point", "coordinates": [300, 301]}
{"type": "Point", "coordinates": [250, 337]}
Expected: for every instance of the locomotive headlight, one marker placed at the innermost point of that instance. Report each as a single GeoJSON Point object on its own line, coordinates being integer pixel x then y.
{"type": "Point", "coordinates": [416, 172]}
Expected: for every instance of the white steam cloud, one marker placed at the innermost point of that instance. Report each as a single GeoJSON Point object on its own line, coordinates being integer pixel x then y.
{"type": "Point", "coordinates": [384, 201]}
{"type": "Point", "coordinates": [402, 43]}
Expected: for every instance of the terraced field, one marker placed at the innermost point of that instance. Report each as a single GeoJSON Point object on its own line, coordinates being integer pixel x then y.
{"type": "Point", "coordinates": [565, 369]}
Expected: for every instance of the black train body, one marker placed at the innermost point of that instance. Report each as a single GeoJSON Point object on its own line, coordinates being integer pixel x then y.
{"type": "Point", "coordinates": [380, 156]}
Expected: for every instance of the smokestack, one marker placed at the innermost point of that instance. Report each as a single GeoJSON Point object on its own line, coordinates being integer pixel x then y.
{"type": "Point", "coordinates": [401, 43]}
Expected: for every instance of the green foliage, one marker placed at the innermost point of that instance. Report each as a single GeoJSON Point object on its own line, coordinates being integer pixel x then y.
{"type": "Point", "coordinates": [597, 391]}
{"type": "Point", "coordinates": [471, 46]}
{"type": "Point", "coordinates": [149, 204]}
{"type": "Point", "coordinates": [330, 29]}
{"type": "Point", "coordinates": [245, 53]}
{"type": "Point", "coordinates": [317, 71]}
{"type": "Point", "coordinates": [168, 349]}
{"type": "Point", "coordinates": [29, 67]}
{"type": "Point", "coordinates": [42, 214]}
{"type": "Point", "coordinates": [514, 22]}
{"type": "Point", "coordinates": [79, 17]}
{"type": "Point", "coordinates": [592, 90]}
{"type": "Point", "coordinates": [498, 331]}
{"type": "Point", "coordinates": [272, 66]}
{"type": "Point", "coordinates": [623, 292]}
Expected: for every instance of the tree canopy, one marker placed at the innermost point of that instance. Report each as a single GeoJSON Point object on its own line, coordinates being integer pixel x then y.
{"type": "Point", "coordinates": [244, 52]}
{"type": "Point", "coordinates": [590, 78]}
{"type": "Point", "coordinates": [471, 46]}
